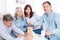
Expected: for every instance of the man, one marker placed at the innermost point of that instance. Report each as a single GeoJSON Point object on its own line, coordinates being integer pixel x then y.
{"type": "Point", "coordinates": [51, 20]}
{"type": "Point", "coordinates": [6, 26]}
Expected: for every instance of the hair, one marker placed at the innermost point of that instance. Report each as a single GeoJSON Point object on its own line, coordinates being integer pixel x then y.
{"type": "Point", "coordinates": [7, 17]}
{"type": "Point", "coordinates": [17, 14]}
{"type": "Point", "coordinates": [46, 2]}
{"type": "Point", "coordinates": [31, 13]}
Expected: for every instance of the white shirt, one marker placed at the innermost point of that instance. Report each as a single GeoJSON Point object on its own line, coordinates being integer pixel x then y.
{"type": "Point", "coordinates": [5, 31]}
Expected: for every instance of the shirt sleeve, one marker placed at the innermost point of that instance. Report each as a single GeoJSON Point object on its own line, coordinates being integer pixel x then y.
{"type": "Point", "coordinates": [39, 21]}
{"type": "Point", "coordinates": [6, 35]}
{"type": "Point", "coordinates": [57, 24]}
{"type": "Point", "coordinates": [17, 30]}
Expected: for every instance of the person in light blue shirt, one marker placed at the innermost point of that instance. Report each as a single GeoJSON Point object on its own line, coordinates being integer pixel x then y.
{"type": "Point", "coordinates": [6, 26]}
{"type": "Point", "coordinates": [19, 20]}
{"type": "Point", "coordinates": [32, 18]}
{"type": "Point", "coordinates": [51, 20]}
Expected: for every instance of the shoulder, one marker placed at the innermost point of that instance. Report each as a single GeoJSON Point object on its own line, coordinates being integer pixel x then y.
{"type": "Point", "coordinates": [43, 16]}
{"type": "Point", "coordinates": [2, 24]}
{"type": "Point", "coordinates": [57, 17]}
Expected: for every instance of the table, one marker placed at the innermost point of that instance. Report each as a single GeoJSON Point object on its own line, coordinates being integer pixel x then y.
{"type": "Point", "coordinates": [38, 37]}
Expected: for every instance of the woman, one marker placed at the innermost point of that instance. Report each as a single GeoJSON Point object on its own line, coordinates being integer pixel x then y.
{"type": "Point", "coordinates": [32, 19]}
{"type": "Point", "coordinates": [19, 20]}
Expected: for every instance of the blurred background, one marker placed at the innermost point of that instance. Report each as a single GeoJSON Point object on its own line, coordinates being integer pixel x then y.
{"type": "Point", "coordinates": [10, 5]}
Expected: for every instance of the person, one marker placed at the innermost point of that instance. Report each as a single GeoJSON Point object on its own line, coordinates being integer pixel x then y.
{"type": "Point", "coordinates": [6, 26]}
{"type": "Point", "coordinates": [51, 20]}
{"type": "Point", "coordinates": [32, 18]}
{"type": "Point", "coordinates": [19, 19]}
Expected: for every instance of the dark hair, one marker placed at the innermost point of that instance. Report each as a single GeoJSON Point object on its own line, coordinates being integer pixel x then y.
{"type": "Point", "coordinates": [31, 13]}
{"type": "Point", "coordinates": [46, 2]}
{"type": "Point", "coordinates": [7, 17]}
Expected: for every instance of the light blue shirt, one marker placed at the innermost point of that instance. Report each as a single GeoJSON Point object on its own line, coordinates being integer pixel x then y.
{"type": "Point", "coordinates": [5, 31]}
{"type": "Point", "coordinates": [34, 19]}
{"type": "Point", "coordinates": [52, 22]}
{"type": "Point", "coordinates": [21, 24]}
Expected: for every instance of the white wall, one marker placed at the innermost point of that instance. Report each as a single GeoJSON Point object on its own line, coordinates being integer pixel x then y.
{"type": "Point", "coordinates": [10, 5]}
{"type": "Point", "coordinates": [7, 6]}
{"type": "Point", "coordinates": [2, 6]}
{"type": "Point", "coordinates": [38, 8]}
{"type": "Point", "coordinates": [55, 6]}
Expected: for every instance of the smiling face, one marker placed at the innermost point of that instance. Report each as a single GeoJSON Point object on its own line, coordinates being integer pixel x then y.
{"type": "Point", "coordinates": [19, 12]}
{"type": "Point", "coordinates": [47, 8]}
{"type": "Point", "coordinates": [28, 10]}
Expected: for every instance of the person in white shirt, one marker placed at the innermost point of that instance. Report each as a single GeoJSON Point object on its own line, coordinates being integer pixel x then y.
{"type": "Point", "coordinates": [6, 25]}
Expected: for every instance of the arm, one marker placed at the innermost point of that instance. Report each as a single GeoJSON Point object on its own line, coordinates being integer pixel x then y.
{"type": "Point", "coordinates": [39, 22]}
{"type": "Point", "coordinates": [57, 23]}
{"type": "Point", "coordinates": [17, 30]}
{"type": "Point", "coordinates": [37, 18]}
{"type": "Point", "coordinates": [6, 35]}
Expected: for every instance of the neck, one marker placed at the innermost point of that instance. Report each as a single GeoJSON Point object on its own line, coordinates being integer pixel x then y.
{"type": "Point", "coordinates": [28, 16]}
{"type": "Point", "coordinates": [49, 12]}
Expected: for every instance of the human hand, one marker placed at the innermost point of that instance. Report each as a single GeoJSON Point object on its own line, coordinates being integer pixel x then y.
{"type": "Point", "coordinates": [19, 35]}
{"type": "Point", "coordinates": [48, 33]}
{"type": "Point", "coordinates": [30, 23]}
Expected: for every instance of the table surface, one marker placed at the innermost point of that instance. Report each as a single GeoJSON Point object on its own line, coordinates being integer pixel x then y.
{"type": "Point", "coordinates": [35, 37]}
{"type": "Point", "coordinates": [38, 37]}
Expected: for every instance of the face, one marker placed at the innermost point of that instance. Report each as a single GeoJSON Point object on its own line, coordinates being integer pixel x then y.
{"type": "Point", "coordinates": [28, 10]}
{"type": "Point", "coordinates": [8, 23]}
{"type": "Point", "coordinates": [19, 12]}
{"type": "Point", "coordinates": [47, 7]}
